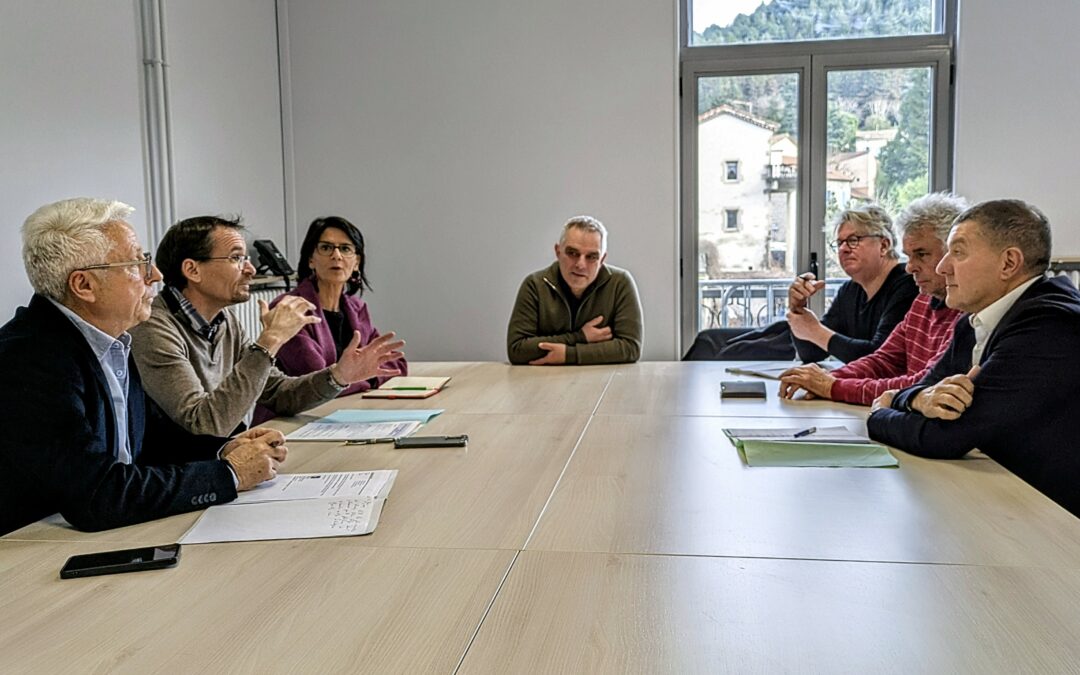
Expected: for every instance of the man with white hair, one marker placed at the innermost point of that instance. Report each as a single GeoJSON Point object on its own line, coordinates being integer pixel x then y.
{"type": "Point", "coordinates": [578, 310]}
{"type": "Point", "coordinates": [80, 436]}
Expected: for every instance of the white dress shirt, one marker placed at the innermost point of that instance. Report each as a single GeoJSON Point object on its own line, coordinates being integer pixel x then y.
{"type": "Point", "coordinates": [985, 321]}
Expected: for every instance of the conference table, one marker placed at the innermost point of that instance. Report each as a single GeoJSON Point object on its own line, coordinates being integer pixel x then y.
{"type": "Point", "coordinates": [598, 521]}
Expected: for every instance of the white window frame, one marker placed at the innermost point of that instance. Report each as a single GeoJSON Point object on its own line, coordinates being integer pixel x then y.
{"type": "Point", "coordinates": [811, 60]}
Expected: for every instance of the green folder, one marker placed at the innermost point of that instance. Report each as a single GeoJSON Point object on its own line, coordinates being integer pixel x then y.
{"type": "Point", "coordinates": [796, 453]}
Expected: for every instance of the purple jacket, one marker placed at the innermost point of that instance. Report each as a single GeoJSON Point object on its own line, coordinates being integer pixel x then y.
{"type": "Point", "coordinates": [313, 347]}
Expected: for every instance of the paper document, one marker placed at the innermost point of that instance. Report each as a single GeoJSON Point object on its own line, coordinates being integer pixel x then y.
{"type": "Point", "coordinates": [836, 434]}
{"type": "Point", "coordinates": [824, 447]}
{"type": "Point", "coordinates": [322, 430]}
{"type": "Point", "coordinates": [320, 486]}
{"type": "Point", "coordinates": [771, 370]}
{"type": "Point", "coordinates": [352, 416]}
{"type": "Point", "coordinates": [297, 519]}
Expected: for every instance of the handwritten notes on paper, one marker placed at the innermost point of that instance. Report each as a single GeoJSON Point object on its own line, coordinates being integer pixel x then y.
{"type": "Point", "coordinates": [299, 506]}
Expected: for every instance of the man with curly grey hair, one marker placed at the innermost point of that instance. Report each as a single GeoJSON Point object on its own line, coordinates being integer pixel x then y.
{"type": "Point", "coordinates": [104, 456]}
{"type": "Point", "coordinates": [577, 310]}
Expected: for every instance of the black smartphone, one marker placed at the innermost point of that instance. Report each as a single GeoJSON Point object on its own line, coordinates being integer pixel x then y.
{"type": "Point", "coordinates": [432, 441]}
{"type": "Point", "coordinates": [115, 562]}
{"type": "Point", "coordinates": [742, 389]}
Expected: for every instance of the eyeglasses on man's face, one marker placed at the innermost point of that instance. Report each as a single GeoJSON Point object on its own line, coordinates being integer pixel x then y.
{"type": "Point", "coordinates": [852, 242]}
{"type": "Point", "coordinates": [146, 263]}
{"type": "Point", "coordinates": [236, 259]}
{"type": "Point", "coordinates": [327, 249]}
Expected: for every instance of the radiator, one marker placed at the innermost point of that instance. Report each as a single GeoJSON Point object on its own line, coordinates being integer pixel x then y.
{"type": "Point", "coordinates": [1068, 268]}
{"type": "Point", "coordinates": [248, 312]}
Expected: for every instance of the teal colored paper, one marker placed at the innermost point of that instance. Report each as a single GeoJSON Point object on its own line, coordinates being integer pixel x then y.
{"type": "Point", "coordinates": [793, 453]}
{"type": "Point", "coordinates": [353, 416]}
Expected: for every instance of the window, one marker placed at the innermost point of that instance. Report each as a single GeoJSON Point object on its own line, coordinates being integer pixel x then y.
{"type": "Point", "coordinates": [731, 220]}
{"type": "Point", "coordinates": [720, 22]}
{"type": "Point", "coordinates": [790, 113]}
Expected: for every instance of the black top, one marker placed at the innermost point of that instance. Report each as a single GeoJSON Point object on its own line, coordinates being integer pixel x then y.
{"type": "Point", "coordinates": [862, 325]}
{"type": "Point", "coordinates": [339, 328]}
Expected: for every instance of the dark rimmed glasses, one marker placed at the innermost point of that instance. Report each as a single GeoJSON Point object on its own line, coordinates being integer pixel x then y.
{"type": "Point", "coordinates": [852, 242]}
{"type": "Point", "coordinates": [327, 249]}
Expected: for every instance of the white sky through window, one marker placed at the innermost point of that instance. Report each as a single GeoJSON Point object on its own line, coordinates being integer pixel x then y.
{"type": "Point", "coordinates": [721, 12]}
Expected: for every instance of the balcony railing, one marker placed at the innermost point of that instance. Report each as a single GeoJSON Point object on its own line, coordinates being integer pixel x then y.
{"type": "Point", "coordinates": [747, 303]}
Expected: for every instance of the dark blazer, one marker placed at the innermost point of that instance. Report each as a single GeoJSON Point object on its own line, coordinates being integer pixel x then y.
{"type": "Point", "coordinates": [57, 432]}
{"type": "Point", "coordinates": [1027, 395]}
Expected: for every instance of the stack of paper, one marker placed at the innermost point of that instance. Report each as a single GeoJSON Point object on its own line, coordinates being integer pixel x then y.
{"type": "Point", "coordinates": [326, 430]}
{"type": "Point", "coordinates": [824, 447]}
{"type": "Point", "coordinates": [298, 506]}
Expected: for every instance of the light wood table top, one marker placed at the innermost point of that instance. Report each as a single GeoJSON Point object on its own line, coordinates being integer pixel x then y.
{"type": "Point", "coordinates": [606, 613]}
{"type": "Point", "coordinates": [693, 388]}
{"type": "Point", "coordinates": [610, 526]}
{"type": "Point", "coordinates": [501, 388]}
{"type": "Point", "coordinates": [486, 495]}
{"type": "Point", "coordinates": [671, 484]}
{"type": "Point", "coordinates": [311, 606]}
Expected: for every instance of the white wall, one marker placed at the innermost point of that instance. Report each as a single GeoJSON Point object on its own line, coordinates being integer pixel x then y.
{"type": "Point", "coordinates": [459, 136]}
{"type": "Point", "coordinates": [226, 112]}
{"type": "Point", "coordinates": [1018, 93]}
{"type": "Point", "coordinates": [69, 116]}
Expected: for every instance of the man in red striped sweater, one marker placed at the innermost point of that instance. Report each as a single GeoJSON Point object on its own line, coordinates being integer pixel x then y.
{"type": "Point", "coordinates": [917, 341]}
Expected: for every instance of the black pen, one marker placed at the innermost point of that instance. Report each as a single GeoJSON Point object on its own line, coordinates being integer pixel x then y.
{"type": "Point", "coordinates": [805, 432]}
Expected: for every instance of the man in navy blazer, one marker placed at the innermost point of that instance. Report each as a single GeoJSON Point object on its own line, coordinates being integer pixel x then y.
{"type": "Point", "coordinates": [79, 435]}
{"type": "Point", "coordinates": [1009, 383]}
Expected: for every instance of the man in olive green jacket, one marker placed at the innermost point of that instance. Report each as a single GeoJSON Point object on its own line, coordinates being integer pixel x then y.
{"type": "Point", "coordinates": [578, 310]}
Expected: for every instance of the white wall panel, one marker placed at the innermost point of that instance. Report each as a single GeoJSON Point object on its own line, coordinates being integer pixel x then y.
{"type": "Point", "coordinates": [459, 136]}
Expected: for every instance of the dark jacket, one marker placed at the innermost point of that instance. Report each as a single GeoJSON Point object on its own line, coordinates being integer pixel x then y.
{"type": "Point", "coordinates": [1027, 395]}
{"type": "Point", "coordinates": [56, 452]}
{"type": "Point", "coordinates": [542, 314]}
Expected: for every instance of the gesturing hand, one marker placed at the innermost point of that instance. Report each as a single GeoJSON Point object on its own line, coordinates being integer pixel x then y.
{"type": "Point", "coordinates": [362, 363]}
{"type": "Point", "coordinates": [947, 399]}
{"type": "Point", "coordinates": [593, 331]}
{"type": "Point", "coordinates": [556, 354]}
{"type": "Point", "coordinates": [284, 321]}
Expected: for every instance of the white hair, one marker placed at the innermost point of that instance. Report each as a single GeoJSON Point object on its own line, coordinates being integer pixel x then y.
{"type": "Point", "coordinates": [585, 224]}
{"type": "Point", "coordinates": [64, 236]}
{"type": "Point", "coordinates": [935, 211]}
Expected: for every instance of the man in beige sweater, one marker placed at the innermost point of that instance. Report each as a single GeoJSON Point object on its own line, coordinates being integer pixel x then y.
{"type": "Point", "coordinates": [196, 361]}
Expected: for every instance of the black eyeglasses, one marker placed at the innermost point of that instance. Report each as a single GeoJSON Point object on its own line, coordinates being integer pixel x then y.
{"type": "Point", "coordinates": [327, 249]}
{"type": "Point", "coordinates": [852, 242]}
{"type": "Point", "coordinates": [236, 259]}
{"type": "Point", "coordinates": [146, 261]}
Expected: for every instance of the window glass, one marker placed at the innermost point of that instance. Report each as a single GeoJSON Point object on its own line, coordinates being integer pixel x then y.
{"type": "Point", "coordinates": [726, 22]}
